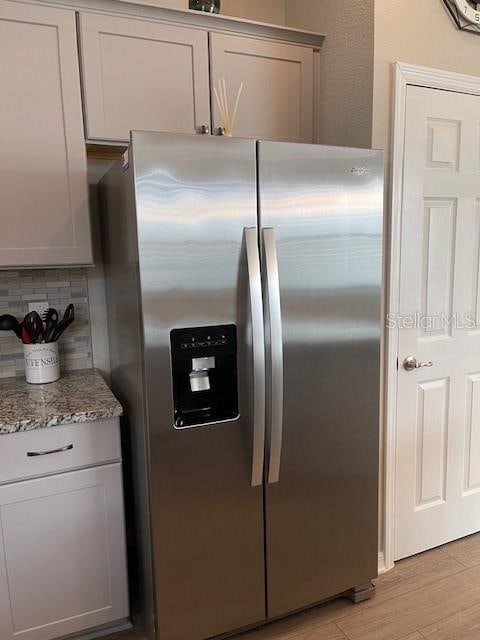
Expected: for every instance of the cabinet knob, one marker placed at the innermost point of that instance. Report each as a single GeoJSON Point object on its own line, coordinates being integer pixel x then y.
{"type": "Point", "coordinates": [220, 131]}
{"type": "Point", "coordinates": [204, 130]}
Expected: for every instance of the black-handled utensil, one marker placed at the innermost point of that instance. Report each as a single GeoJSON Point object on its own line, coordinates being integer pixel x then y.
{"type": "Point", "coordinates": [34, 327]}
{"type": "Point", "coordinates": [66, 321]}
{"type": "Point", "coordinates": [50, 318]}
{"type": "Point", "coordinates": [10, 323]}
{"type": "Point", "coordinates": [61, 326]}
{"type": "Point", "coordinates": [69, 313]}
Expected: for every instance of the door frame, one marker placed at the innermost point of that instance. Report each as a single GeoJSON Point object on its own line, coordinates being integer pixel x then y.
{"type": "Point", "coordinates": [404, 75]}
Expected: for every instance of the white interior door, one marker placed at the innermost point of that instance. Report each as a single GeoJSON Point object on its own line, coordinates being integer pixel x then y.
{"type": "Point", "coordinates": [438, 406]}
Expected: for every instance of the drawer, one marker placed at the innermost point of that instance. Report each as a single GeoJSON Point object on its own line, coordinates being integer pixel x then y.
{"type": "Point", "coordinates": [61, 449]}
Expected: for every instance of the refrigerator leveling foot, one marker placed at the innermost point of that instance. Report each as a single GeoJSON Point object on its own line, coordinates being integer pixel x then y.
{"type": "Point", "coordinates": [361, 593]}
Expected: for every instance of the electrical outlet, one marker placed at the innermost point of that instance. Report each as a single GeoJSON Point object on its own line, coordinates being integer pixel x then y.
{"type": "Point", "coordinates": [40, 306]}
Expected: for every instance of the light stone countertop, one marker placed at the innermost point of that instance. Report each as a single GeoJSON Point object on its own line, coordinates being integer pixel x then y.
{"type": "Point", "coordinates": [79, 396]}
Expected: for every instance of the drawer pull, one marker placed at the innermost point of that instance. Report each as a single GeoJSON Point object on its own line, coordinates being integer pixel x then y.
{"type": "Point", "coordinates": [32, 454]}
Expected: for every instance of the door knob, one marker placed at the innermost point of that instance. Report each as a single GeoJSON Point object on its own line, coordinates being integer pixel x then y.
{"type": "Point", "coordinates": [204, 130]}
{"type": "Point", "coordinates": [411, 363]}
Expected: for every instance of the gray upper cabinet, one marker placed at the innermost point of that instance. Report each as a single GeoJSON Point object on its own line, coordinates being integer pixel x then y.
{"type": "Point", "coordinates": [43, 176]}
{"type": "Point", "coordinates": [138, 72]}
{"type": "Point", "coordinates": [154, 76]}
{"type": "Point", "coordinates": [142, 75]}
{"type": "Point", "coordinates": [277, 102]}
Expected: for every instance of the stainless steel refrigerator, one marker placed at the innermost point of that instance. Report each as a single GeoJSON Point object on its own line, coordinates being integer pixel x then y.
{"type": "Point", "coordinates": [244, 286]}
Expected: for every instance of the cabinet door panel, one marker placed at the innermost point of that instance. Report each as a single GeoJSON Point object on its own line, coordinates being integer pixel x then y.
{"type": "Point", "coordinates": [63, 553]}
{"type": "Point", "coordinates": [277, 98]}
{"type": "Point", "coordinates": [43, 173]}
{"type": "Point", "coordinates": [142, 75]}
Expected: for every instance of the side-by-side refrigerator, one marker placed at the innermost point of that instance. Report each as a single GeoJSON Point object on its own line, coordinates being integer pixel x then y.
{"type": "Point", "coordinates": [243, 286]}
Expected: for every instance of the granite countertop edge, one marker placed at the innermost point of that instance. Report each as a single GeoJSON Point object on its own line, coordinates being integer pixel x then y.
{"type": "Point", "coordinates": [78, 397]}
{"type": "Point", "coordinates": [57, 421]}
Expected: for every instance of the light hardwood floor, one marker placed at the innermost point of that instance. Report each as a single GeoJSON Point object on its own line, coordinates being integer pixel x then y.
{"type": "Point", "coordinates": [432, 596]}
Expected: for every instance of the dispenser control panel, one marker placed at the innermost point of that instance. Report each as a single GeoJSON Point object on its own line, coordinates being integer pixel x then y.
{"type": "Point", "coordinates": [204, 375]}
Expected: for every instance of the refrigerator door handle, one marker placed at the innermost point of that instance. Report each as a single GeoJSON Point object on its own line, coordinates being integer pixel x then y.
{"type": "Point", "coordinates": [276, 353]}
{"type": "Point", "coordinates": [258, 340]}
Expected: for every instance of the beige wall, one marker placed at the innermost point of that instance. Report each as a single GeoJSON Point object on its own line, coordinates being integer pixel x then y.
{"type": "Point", "coordinates": [263, 11]}
{"type": "Point", "coordinates": [170, 4]}
{"type": "Point", "coordinates": [272, 11]}
{"type": "Point", "coordinates": [419, 32]}
{"type": "Point", "coordinates": [346, 66]}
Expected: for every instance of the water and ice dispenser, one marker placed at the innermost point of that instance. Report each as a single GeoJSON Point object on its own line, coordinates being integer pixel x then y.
{"type": "Point", "coordinates": [204, 372]}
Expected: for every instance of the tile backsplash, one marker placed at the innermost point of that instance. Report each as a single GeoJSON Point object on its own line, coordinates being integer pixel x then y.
{"type": "Point", "coordinates": [59, 287]}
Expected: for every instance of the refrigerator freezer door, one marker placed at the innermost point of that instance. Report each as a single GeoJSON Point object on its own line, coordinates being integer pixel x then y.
{"type": "Point", "coordinates": [325, 206]}
{"type": "Point", "coordinates": [195, 197]}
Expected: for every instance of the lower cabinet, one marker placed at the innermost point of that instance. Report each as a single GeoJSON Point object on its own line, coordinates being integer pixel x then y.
{"type": "Point", "coordinates": [62, 554]}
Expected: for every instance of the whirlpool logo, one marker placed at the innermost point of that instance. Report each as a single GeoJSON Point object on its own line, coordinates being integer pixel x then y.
{"type": "Point", "coordinates": [360, 171]}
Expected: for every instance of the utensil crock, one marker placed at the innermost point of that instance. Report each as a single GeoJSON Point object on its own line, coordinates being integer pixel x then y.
{"type": "Point", "coordinates": [42, 363]}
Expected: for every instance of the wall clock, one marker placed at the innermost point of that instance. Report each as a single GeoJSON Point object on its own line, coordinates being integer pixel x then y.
{"type": "Point", "coordinates": [465, 14]}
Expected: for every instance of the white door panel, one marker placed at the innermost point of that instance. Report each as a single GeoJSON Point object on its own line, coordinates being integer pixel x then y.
{"type": "Point", "coordinates": [438, 428]}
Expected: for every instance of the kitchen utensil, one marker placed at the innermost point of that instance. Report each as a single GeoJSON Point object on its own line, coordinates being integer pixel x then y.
{"type": "Point", "coordinates": [10, 323]}
{"type": "Point", "coordinates": [50, 318]}
{"type": "Point", "coordinates": [66, 321]}
{"type": "Point", "coordinates": [60, 328]}
{"type": "Point", "coordinates": [69, 313]}
{"type": "Point", "coordinates": [25, 336]}
{"type": "Point", "coordinates": [34, 326]}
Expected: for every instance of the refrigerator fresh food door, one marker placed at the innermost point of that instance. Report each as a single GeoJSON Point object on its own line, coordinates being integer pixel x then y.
{"type": "Point", "coordinates": [203, 327]}
{"type": "Point", "coordinates": [321, 238]}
